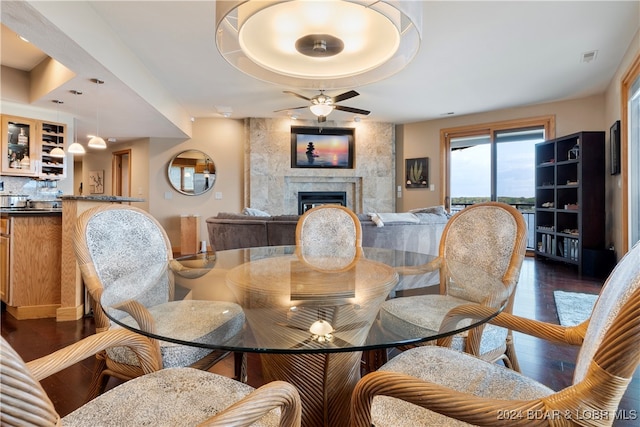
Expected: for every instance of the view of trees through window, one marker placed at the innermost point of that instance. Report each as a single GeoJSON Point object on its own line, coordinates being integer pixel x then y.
{"type": "Point", "coordinates": [501, 169]}
{"type": "Point", "coordinates": [475, 177]}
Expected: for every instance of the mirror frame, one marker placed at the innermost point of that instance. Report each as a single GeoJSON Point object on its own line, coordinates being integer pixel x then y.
{"type": "Point", "coordinates": [201, 158]}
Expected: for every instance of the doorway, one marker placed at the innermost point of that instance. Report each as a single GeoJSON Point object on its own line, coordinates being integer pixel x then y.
{"type": "Point", "coordinates": [121, 172]}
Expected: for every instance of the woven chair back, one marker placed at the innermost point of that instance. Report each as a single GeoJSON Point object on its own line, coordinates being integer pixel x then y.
{"type": "Point", "coordinates": [621, 288]}
{"type": "Point", "coordinates": [490, 236]}
{"type": "Point", "coordinates": [129, 252]}
{"type": "Point", "coordinates": [329, 226]}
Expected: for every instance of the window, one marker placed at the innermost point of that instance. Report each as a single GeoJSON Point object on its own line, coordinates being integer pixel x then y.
{"type": "Point", "coordinates": [494, 162]}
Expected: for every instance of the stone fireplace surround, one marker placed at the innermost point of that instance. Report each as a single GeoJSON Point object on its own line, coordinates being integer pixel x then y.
{"type": "Point", "coordinates": [272, 185]}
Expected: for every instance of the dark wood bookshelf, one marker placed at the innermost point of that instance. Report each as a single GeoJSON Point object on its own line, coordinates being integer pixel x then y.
{"type": "Point", "coordinates": [570, 196]}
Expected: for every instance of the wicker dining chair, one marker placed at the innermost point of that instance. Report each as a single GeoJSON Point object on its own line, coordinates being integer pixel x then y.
{"type": "Point", "coordinates": [329, 238]}
{"type": "Point", "coordinates": [453, 388]}
{"type": "Point", "coordinates": [171, 397]}
{"type": "Point", "coordinates": [489, 236]}
{"type": "Point", "coordinates": [329, 225]}
{"type": "Point", "coordinates": [123, 250]}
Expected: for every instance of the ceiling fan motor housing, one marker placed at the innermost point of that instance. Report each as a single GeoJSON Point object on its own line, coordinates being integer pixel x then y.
{"type": "Point", "coordinates": [319, 45]}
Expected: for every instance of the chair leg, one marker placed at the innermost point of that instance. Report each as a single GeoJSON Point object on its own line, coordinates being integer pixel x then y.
{"type": "Point", "coordinates": [240, 367]}
{"type": "Point", "coordinates": [98, 380]}
{"type": "Point", "coordinates": [373, 359]}
{"type": "Point", "coordinates": [510, 353]}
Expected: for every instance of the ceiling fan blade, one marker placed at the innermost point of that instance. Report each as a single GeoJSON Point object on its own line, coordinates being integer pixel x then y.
{"type": "Point", "coordinates": [352, 110]}
{"type": "Point", "coordinates": [294, 108]}
{"type": "Point", "coordinates": [344, 96]}
{"type": "Point", "coordinates": [322, 119]}
{"type": "Point", "coordinates": [297, 94]}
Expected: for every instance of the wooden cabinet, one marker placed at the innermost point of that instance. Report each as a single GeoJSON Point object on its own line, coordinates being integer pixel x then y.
{"type": "Point", "coordinates": [52, 135]}
{"type": "Point", "coordinates": [31, 258]}
{"type": "Point", "coordinates": [20, 151]}
{"type": "Point", "coordinates": [4, 259]}
{"type": "Point", "coordinates": [570, 195]}
{"type": "Point", "coordinates": [26, 148]}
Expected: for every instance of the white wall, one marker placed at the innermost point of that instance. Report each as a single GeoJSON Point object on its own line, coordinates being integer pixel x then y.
{"type": "Point", "coordinates": [223, 141]}
{"type": "Point", "coordinates": [422, 139]}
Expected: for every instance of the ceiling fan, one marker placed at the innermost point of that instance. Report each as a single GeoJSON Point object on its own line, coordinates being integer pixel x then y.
{"type": "Point", "coordinates": [322, 105]}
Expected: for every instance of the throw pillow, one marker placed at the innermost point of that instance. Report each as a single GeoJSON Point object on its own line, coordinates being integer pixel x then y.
{"type": "Point", "coordinates": [254, 212]}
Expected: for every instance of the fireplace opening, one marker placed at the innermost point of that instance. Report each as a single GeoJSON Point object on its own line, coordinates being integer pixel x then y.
{"type": "Point", "coordinates": [311, 199]}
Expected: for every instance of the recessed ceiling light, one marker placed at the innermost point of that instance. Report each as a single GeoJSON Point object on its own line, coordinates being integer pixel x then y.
{"type": "Point", "coordinates": [23, 38]}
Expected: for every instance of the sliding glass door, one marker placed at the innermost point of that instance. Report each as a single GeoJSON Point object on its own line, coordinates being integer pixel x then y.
{"type": "Point", "coordinates": [494, 162]}
{"type": "Point", "coordinates": [497, 166]}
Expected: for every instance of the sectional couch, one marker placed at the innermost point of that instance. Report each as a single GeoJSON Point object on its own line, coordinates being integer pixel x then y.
{"type": "Point", "coordinates": [415, 232]}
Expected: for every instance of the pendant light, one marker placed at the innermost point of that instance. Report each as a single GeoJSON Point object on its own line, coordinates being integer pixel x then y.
{"type": "Point", "coordinates": [76, 147]}
{"type": "Point", "coordinates": [57, 152]}
{"type": "Point", "coordinates": [97, 141]}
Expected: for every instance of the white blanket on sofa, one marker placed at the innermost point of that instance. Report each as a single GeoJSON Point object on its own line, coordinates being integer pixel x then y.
{"type": "Point", "coordinates": [394, 218]}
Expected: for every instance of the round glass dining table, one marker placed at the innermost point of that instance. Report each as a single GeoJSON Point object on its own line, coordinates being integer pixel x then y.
{"type": "Point", "coordinates": [310, 315]}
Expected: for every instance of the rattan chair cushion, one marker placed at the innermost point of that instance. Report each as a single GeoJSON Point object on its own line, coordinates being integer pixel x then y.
{"type": "Point", "coordinates": [129, 252]}
{"type": "Point", "coordinates": [484, 237]}
{"type": "Point", "coordinates": [328, 227]}
{"type": "Point", "coordinates": [190, 396]}
{"type": "Point", "coordinates": [209, 321]}
{"type": "Point", "coordinates": [400, 315]}
{"type": "Point", "coordinates": [453, 369]}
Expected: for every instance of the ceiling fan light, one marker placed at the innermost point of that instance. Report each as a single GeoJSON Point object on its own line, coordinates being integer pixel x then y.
{"type": "Point", "coordinates": [76, 148]}
{"type": "Point", "coordinates": [321, 109]}
{"type": "Point", "coordinates": [57, 152]}
{"type": "Point", "coordinates": [97, 142]}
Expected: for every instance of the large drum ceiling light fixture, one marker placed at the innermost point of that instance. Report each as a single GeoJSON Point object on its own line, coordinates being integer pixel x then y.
{"type": "Point", "coordinates": [327, 44]}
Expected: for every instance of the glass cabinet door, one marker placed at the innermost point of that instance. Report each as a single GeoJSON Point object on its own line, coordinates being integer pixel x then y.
{"type": "Point", "coordinates": [19, 146]}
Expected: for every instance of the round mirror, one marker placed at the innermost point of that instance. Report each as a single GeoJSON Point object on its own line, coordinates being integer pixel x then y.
{"type": "Point", "coordinates": [192, 172]}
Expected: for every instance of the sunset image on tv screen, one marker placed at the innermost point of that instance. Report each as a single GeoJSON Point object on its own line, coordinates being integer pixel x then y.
{"type": "Point", "coordinates": [322, 150]}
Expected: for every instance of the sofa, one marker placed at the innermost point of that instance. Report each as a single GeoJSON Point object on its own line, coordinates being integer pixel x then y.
{"type": "Point", "coordinates": [417, 231]}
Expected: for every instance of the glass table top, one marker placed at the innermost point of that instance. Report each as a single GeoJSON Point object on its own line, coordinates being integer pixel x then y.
{"type": "Point", "coordinates": [285, 299]}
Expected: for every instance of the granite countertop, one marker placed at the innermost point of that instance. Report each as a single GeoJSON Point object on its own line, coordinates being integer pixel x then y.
{"type": "Point", "coordinates": [98, 198]}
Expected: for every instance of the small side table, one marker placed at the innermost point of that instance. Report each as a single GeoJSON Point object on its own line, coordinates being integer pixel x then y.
{"type": "Point", "coordinates": [189, 234]}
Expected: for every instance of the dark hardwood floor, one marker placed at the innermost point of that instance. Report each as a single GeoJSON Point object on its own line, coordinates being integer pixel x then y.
{"type": "Point", "coordinates": [550, 364]}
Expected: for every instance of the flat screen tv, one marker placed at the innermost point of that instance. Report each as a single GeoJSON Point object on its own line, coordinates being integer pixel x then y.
{"type": "Point", "coordinates": [313, 147]}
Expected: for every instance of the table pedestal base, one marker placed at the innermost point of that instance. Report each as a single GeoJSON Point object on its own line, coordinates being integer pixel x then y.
{"type": "Point", "coordinates": [325, 383]}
